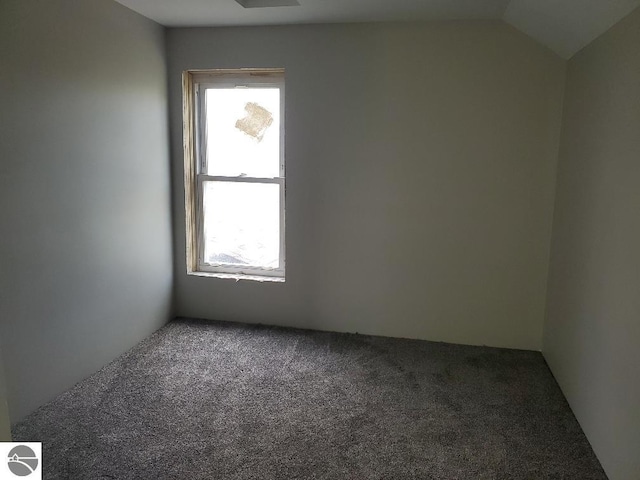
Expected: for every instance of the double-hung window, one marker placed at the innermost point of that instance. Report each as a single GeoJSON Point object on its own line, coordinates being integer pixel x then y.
{"type": "Point", "coordinates": [234, 172]}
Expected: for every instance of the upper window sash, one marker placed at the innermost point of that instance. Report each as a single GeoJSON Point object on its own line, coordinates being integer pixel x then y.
{"type": "Point", "coordinates": [206, 81]}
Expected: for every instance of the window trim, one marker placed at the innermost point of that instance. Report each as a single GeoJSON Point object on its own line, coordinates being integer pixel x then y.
{"type": "Point", "coordinates": [194, 83]}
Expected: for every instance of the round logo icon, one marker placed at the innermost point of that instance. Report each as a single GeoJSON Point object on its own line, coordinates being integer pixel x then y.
{"type": "Point", "coordinates": [22, 461]}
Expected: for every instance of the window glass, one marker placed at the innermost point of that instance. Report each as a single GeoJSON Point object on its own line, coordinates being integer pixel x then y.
{"type": "Point", "coordinates": [243, 132]}
{"type": "Point", "coordinates": [242, 224]}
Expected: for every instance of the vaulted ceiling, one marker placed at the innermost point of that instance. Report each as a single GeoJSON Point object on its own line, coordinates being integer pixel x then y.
{"type": "Point", "coordinates": [565, 26]}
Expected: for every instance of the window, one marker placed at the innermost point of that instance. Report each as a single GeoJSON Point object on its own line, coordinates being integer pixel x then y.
{"type": "Point", "coordinates": [234, 172]}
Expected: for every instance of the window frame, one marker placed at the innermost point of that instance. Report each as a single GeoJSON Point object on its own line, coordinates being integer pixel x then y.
{"type": "Point", "coordinates": [195, 84]}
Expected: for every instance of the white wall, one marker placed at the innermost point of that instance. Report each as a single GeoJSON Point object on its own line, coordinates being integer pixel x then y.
{"type": "Point", "coordinates": [592, 332]}
{"type": "Point", "coordinates": [85, 249]}
{"type": "Point", "coordinates": [421, 161]}
{"type": "Point", "coordinates": [5, 423]}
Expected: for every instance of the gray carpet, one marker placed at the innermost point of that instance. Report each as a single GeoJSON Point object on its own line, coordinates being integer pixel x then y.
{"type": "Point", "coordinates": [209, 400]}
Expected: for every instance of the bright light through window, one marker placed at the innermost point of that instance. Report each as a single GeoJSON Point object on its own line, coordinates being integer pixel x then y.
{"type": "Point", "coordinates": [242, 224]}
{"type": "Point", "coordinates": [231, 151]}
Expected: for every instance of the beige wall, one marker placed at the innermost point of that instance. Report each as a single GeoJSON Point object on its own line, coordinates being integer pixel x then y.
{"type": "Point", "coordinates": [421, 161]}
{"type": "Point", "coordinates": [592, 332]}
{"type": "Point", "coordinates": [85, 243]}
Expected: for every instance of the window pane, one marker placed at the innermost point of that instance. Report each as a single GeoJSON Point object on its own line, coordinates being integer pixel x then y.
{"type": "Point", "coordinates": [242, 224]}
{"type": "Point", "coordinates": [243, 132]}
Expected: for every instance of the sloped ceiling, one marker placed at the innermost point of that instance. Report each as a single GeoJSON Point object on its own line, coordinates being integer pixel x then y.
{"type": "Point", "coordinates": [183, 13]}
{"type": "Point", "coordinates": [565, 26]}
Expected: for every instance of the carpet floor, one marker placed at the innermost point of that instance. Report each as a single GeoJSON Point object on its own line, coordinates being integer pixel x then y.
{"type": "Point", "coordinates": [213, 400]}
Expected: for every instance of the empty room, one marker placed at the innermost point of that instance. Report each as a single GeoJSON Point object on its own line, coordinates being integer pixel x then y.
{"type": "Point", "coordinates": [320, 239]}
